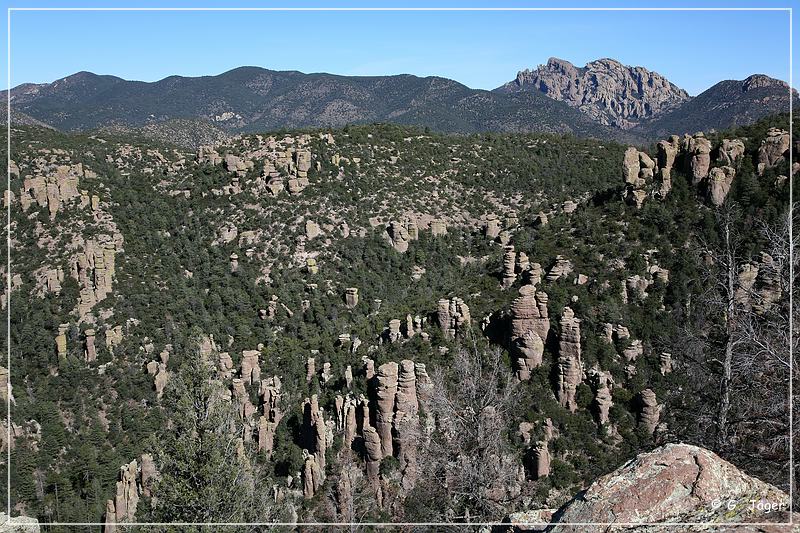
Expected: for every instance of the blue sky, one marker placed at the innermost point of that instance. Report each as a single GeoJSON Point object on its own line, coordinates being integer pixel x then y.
{"type": "Point", "coordinates": [694, 49]}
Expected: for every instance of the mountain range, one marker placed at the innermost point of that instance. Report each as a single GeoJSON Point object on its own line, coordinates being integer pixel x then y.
{"type": "Point", "coordinates": [604, 99]}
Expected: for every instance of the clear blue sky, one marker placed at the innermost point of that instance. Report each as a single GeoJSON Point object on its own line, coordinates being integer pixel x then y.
{"type": "Point", "coordinates": [480, 49]}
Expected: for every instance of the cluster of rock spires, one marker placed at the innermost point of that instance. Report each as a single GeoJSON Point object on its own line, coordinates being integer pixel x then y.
{"type": "Point", "coordinates": [695, 154]}
{"type": "Point", "coordinates": [400, 234]}
{"type": "Point", "coordinates": [516, 266]}
{"type": "Point", "coordinates": [135, 480]}
{"type": "Point", "coordinates": [453, 316]}
{"type": "Point", "coordinates": [529, 329]}
{"type": "Point", "coordinates": [54, 185]}
{"type": "Point", "coordinates": [285, 164]}
{"type": "Point", "coordinates": [113, 337]}
{"type": "Point", "coordinates": [94, 269]}
{"type": "Point", "coordinates": [386, 423]}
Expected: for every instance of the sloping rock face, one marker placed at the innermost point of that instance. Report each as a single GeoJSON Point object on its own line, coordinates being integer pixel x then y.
{"type": "Point", "coordinates": [606, 90]}
{"type": "Point", "coordinates": [674, 483]}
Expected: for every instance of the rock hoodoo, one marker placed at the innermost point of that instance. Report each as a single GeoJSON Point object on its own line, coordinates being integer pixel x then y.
{"type": "Point", "coordinates": [720, 180]}
{"type": "Point", "coordinates": [773, 149]}
{"type": "Point", "coordinates": [570, 369]}
{"type": "Point", "coordinates": [351, 297]}
{"type": "Point", "coordinates": [698, 156]}
{"type": "Point", "coordinates": [730, 152]}
{"type": "Point", "coordinates": [509, 266]}
{"type": "Point", "coordinates": [271, 414]}
{"type": "Point", "coordinates": [650, 411]}
{"type": "Point", "coordinates": [385, 396]}
{"type": "Point", "coordinates": [530, 326]}
{"type": "Point", "coordinates": [602, 383]}
{"type": "Point", "coordinates": [453, 316]}
{"type": "Point", "coordinates": [61, 341]}
{"type": "Point", "coordinates": [398, 236]}
{"type": "Point", "coordinates": [251, 370]}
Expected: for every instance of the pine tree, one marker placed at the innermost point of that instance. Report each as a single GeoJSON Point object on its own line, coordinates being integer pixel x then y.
{"type": "Point", "coordinates": [205, 470]}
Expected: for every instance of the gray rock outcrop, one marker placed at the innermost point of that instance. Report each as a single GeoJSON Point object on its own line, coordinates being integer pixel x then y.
{"type": "Point", "coordinates": [606, 90]}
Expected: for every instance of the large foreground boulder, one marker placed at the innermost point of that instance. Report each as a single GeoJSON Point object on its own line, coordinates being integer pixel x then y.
{"type": "Point", "coordinates": [18, 524]}
{"type": "Point", "coordinates": [674, 484]}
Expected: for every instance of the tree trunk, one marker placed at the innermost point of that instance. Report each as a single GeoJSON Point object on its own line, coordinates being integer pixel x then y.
{"type": "Point", "coordinates": [727, 363]}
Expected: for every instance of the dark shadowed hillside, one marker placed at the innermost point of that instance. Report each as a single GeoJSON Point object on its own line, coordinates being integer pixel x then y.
{"type": "Point", "coordinates": [727, 104]}
{"type": "Point", "coordinates": [250, 98]}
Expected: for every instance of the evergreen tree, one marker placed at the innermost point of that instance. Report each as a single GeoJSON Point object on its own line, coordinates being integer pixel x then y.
{"type": "Point", "coordinates": [205, 469]}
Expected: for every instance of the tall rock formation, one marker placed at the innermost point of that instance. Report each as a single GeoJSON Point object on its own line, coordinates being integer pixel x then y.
{"type": "Point", "coordinates": [90, 353]}
{"type": "Point", "coordinates": [351, 297]}
{"type": "Point", "coordinates": [773, 149]}
{"type": "Point", "coordinates": [61, 341]}
{"type": "Point", "coordinates": [570, 370]}
{"type": "Point", "coordinates": [698, 156]}
{"type": "Point", "coordinates": [509, 267]}
{"type": "Point", "coordinates": [271, 414]}
{"type": "Point", "coordinates": [730, 152]}
{"type": "Point", "coordinates": [406, 421]}
{"type": "Point", "coordinates": [398, 236]}
{"type": "Point", "coordinates": [126, 499]}
{"type": "Point", "coordinates": [251, 370]}
{"type": "Point", "coordinates": [720, 180]}
{"type": "Point", "coordinates": [314, 430]}
{"type": "Point", "coordinates": [530, 325]}
{"type": "Point", "coordinates": [650, 411]}
{"type": "Point", "coordinates": [602, 384]}
{"type": "Point", "coordinates": [385, 397]}
{"type": "Point", "coordinates": [373, 454]}
{"type": "Point", "coordinates": [453, 316]}
{"type": "Point", "coordinates": [94, 269]}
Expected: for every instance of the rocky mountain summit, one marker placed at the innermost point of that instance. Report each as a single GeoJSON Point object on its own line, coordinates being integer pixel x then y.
{"type": "Point", "coordinates": [646, 104]}
{"type": "Point", "coordinates": [726, 104]}
{"type": "Point", "coordinates": [606, 90]}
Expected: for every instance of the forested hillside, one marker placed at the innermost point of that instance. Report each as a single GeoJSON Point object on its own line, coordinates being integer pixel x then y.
{"type": "Point", "coordinates": [380, 323]}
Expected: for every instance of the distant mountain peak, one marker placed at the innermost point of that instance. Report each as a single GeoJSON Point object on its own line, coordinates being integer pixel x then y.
{"type": "Point", "coordinates": [605, 89]}
{"type": "Point", "coordinates": [762, 80]}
